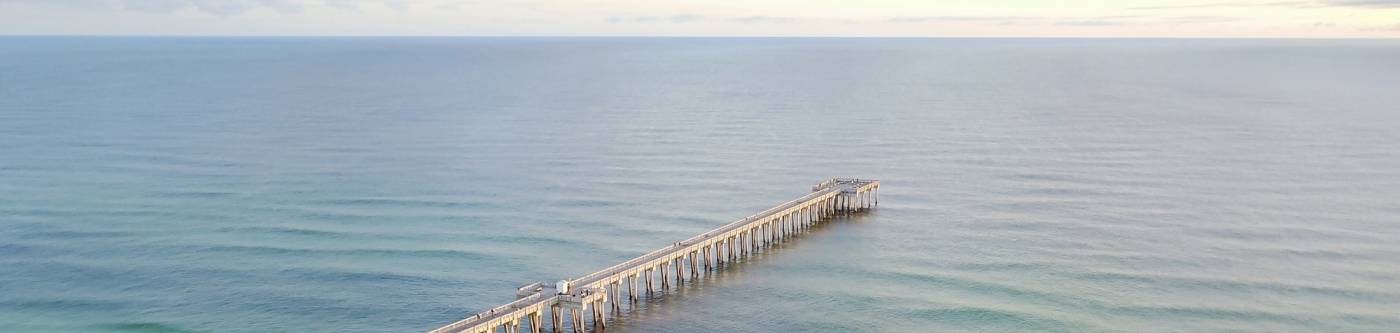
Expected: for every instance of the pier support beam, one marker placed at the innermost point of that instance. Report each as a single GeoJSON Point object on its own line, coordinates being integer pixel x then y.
{"type": "Point", "coordinates": [753, 241]}
{"type": "Point", "coordinates": [705, 256]}
{"type": "Point", "coordinates": [536, 324]}
{"type": "Point", "coordinates": [679, 263]}
{"type": "Point", "coordinates": [807, 217]}
{"type": "Point", "coordinates": [665, 280]}
{"type": "Point", "coordinates": [718, 255]}
{"type": "Point", "coordinates": [767, 234]}
{"type": "Point", "coordinates": [615, 297]}
{"type": "Point", "coordinates": [732, 247]}
{"type": "Point", "coordinates": [743, 241]}
{"type": "Point", "coordinates": [782, 229]}
{"type": "Point", "coordinates": [633, 288]}
{"type": "Point", "coordinates": [721, 253]}
{"type": "Point", "coordinates": [646, 275]}
{"type": "Point", "coordinates": [802, 219]}
{"type": "Point", "coordinates": [694, 273]}
{"type": "Point", "coordinates": [600, 317]}
{"type": "Point", "coordinates": [775, 230]}
{"type": "Point", "coordinates": [726, 251]}
{"type": "Point", "coordinates": [790, 224]}
{"type": "Point", "coordinates": [826, 206]}
{"type": "Point", "coordinates": [576, 319]}
{"type": "Point", "coordinates": [556, 318]}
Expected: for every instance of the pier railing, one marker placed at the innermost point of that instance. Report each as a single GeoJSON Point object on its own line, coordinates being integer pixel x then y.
{"type": "Point", "coordinates": [715, 247]}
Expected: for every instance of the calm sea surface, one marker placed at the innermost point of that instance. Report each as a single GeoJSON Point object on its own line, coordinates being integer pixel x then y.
{"type": "Point", "coordinates": [398, 184]}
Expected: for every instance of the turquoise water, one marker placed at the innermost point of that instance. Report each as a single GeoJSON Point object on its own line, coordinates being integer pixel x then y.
{"type": "Point", "coordinates": [398, 184]}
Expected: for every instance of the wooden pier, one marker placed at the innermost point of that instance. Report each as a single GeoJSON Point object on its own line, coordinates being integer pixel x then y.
{"type": "Point", "coordinates": [570, 300]}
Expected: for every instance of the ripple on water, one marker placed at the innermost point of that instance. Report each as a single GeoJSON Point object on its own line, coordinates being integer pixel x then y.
{"type": "Point", "coordinates": [984, 319]}
{"type": "Point", "coordinates": [348, 252]}
{"type": "Point", "coordinates": [286, 231]}
{"type": "Point", "coordinates": [142, 327]}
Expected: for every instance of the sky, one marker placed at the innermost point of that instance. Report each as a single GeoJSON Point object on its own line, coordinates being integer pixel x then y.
{"type": "Point", "coordinates": [873, 18]}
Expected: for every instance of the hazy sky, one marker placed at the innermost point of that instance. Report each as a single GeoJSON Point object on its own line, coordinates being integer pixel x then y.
{"type": "Point", "coordinates": [1085, 18]}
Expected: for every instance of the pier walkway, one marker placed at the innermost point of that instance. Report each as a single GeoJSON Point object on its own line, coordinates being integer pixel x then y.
{"type": "Point", "coordinates": [604, 289]}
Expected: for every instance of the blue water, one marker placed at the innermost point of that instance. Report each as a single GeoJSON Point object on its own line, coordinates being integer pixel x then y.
{"type": "Point", "coordinates": [398, 184]}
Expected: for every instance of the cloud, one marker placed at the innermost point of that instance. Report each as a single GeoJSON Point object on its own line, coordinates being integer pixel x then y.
{"type": "Point", "coordinates": [1091, 23]}
{"type": "Point", "coordinates": [395, 4]}
{"type": "Point", "coordinates": [1084, 21]}
{"type": "Point", "coordinates": [1196, 19]}
{"type": "Point", "coordinates": [1297, 4]}
{"type": "Point", "coordinates": [213, 7]}
{"type": "Point", "coordinates": [685, 18]}
{"type": "Point", "coordinates": [1364, 3]}
{"type": "Point", "coordinates": [1393, 27]}
{"type": "Point", "coordinates": [690, 18]}
{"type": "Point", "coordinates": [1284, 4]}
{"type": "Point", "coordinates": [763, 19]}
{"type": "Point", "coordinates": [926, 19]}
{"type": "Point", "coordinates": [678, 18]}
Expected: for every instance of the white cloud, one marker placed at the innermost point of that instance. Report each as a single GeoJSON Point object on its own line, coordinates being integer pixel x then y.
{"type": "Point", "coordinates": [1365, 3]}
{"type": "Point", "coordinates": [764, 19]}
{"type": "Point", "coordinates": [1082, 21]}
{"type": "Point", "coordinates": [678, 18]}
{"type": "Point", "coordinates": [1295, 4]}
{"type": "Point", "coordinates": [212, 7]}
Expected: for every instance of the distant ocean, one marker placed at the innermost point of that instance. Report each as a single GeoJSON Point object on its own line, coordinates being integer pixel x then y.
{"type": "Point", "coordinates": [399, 184]}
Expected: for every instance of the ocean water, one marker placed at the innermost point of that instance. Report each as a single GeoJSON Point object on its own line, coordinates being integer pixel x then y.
{"type": "Point", "coordinates": [399, 184]}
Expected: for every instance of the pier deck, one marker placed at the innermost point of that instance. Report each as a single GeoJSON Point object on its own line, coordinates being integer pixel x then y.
{"type": "Point", "coordinates": [692, 256]}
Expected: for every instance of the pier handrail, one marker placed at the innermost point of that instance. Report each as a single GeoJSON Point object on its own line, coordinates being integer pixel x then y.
{"type": "Point", "coordinates": [651, 255]}
{"type": "Point", "coordinates": [496, 311]}
{"type": "Point", "coordinates": [589, 279]}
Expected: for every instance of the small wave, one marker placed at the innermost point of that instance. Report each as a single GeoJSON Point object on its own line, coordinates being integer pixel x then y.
{"type": "Point", "coordinates": [343, 276]}
{"type": "Point", "coordinates": [981, 287]}
{"type": "Point", "coordinates": [526, 239]}
{"type": "Point", "coordinates": [1212, 284]}
{"type": "Point", "coordinates": [587, 203]}
{"type": "Point", "coordinates": [394, 202]}
{"type": "Point", "coordinates": [285, 230]}
{"type": "Point", "coordinates": [111, 213]}
{"type": "Point", "coordinates": [12, 249]}
{"type": "Point", "coordinates": [280, 251]}
{"type": "Point", "coordinates": [1201, 312]}
{"type": "Point", "coordinates": [342, 150]}
{"type": "Point", "coordinates": [62, 305]}
{"type": "Point", "coordinates": [77, 234]}
{"type": "Point", "coordinates": [193, 194]}
{"type": "Point", "coordinates": [147, 327]}
{"type": "Point", "coordinates": [984, 317]}
{"type": "Point", "coordinates": [1004, 266]}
